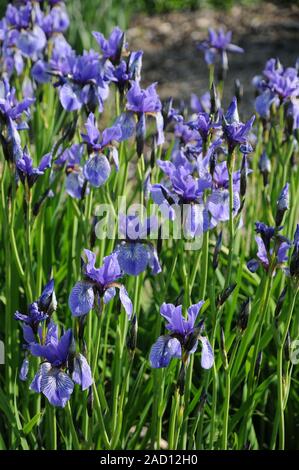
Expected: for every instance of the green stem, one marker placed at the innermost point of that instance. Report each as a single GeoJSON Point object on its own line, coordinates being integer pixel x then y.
{"type": "Point", "coordinates": [205, 265]}
{"type": "Point", "coordinates": [231, 222]}
{"type": "Point", "coordinates": [280, 377]}
{"type": "Point", "coordinates": [76, 444]}
{"type": "Point", "coordinates": [226, 410]}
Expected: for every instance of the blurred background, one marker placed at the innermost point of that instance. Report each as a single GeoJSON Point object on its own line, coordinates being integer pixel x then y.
{"type": "Point", "coordinates": [168, 31]}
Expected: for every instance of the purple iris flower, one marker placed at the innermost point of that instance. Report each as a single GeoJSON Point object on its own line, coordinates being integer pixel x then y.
{"type": "Point", "coordinates": [82, 81]}
{"type": "Point", "coordinates": [270, 244]}
{"type": "Point", "coordinates": [39, 310]}
{"type": "Point", "coordinates": [99, 283]}
{"type": "Point", "coordinates": [182, 339]}
{"type": "Point", "coordinates": [128, 70]}
{"type": "Point", "coordinates": [294, 265]}
{"type": "Point", "coordinates": [32, 42]}
{"type": "Point", "coordinates": [112, 47]}
{"type": "Point", "coordinates": [218, 200]}
{"type": "Point", "coordinates": [235, 131]}
{"type": "Point", "coordinates": [218, 44]}
{"type": "Point", "coordinates": [293, 113]}
{"type": "Point", "coordinates": [186, 133]}
{"type": "Point", "coordinates": [135, 254]}
{"type": "Point", "coordinates": [10, 108]}
{"type": "Point", "coordinates": [34, 316]}
{"type": "Point", "coordinates": [59, 63]}
{"type": "Point", "coordinates": [70, 156]}
{"type": "Point", "coordinates": [23, 36]}
{"type": "Point", "coordinates": [141, 103]}
{"type": "Point", "coordinates": [282, 81]}
{"type": "Point", "coordinates": [183, 190]}
{"type": "Point", "coordinates": [27, 172]}
{"type": "Point", "coordinates": [218, 206]}
{"type": "Point", "coordinates": [277, 85]}
{"type": "Point", "coordinates": [54, 379]}
{"type": "Point", "coordinates": [97, 169]}
{"type": "Point", "coordinates": [11, 112]}
{"type": "Point", "coordinates": [205, 125]}
{"type": "Point", "coordinates": [202, 104]}
{"type": "Point", "coordinates": [75, 182]}
{"type": "Point", "coordinates": [57, 21]}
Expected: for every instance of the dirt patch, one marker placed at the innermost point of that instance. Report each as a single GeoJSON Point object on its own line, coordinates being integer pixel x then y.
{"type": "Point", "coordinates": [171, 58]}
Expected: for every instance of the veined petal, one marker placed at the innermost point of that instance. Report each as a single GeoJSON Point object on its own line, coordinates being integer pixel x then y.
{"type": "Point", "coordinates": [207, 355]}
{"type": "Point", "coordinates": [81, 299]}
{"type": "Point", "coordinates": [57, 386]}
{"type": "Point", "coordinates": [132, 258]}
{"type": "Point", "coordinates": [69, 98]}
{"type": "Point", "coordinates": [126, 301]}
{"type": "Point", "coordinates": [36, 382]}
{"type": "Point", "coordinates": [164, 349]}
{"type": "Point", "coordinates": [109, 294]}
{"type": "Point", "coordinates": [24, 369]}
{"type": "Point", "coordinates": [82, 373]}
{"type": "Point", "coordinates": [97, 170]}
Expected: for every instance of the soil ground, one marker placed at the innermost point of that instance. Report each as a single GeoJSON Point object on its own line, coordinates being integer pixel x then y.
{"type": "Point", "coordinates": [171, 58]}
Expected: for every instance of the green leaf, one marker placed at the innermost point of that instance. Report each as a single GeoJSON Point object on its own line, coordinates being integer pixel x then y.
{"type": "Point", "coordinates": [27, 428]}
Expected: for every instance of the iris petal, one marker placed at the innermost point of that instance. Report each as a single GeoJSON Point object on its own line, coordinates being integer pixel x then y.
{"type": "Point", "coordinates": [81, 299]}
{"type": "Point", "coordinates": [164, 349]}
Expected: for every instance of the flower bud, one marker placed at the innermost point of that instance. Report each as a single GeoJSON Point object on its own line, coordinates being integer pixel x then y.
{"type": "Point", "coordinates": [132, 335]}
{"type": "Point", "coordinates": [217, 251]}
{"type": "Point", "coordinates": [239, 90]}
{"type": "Point", "coordinates": [213, 162]}
{"type": "Point", "coordinates": [193, 337]}
{"type": "Point", "coordinates": [243, 317]}
{"type": "Point", "coordinates": [294, 265]}
{"type": "Point", "coordinates": [203, 400]}
{"type": "Point", "coordinates": [288, 347]}
{"type": "Point", "coordinates": [280, 302]}
{"type": "Point", "coordinates": [181, 379]}
{"type": "Point", "coordinates": [223, 296]}
{"type": "Point", "coordinates": [282, 205]}
{"type": "Point", "coordinates": [258, 364]}
{"type": "Point", "coordinates": [71, 355]}
{"type": "Point", "coordinates": [90, 400]}
{"type": "Point", "coordinates": [82, 323]}
{"type": "Point", "coordinates": [140, 134]}
{"type": "Point", "coordinates": [47, 301]}
{"type": "Point", "coordinates": [38, 205]}
{"type": "Point", "coordinates": [223, 350]}
{"type": "Point", "coordinates": [153, 152]}
{"type": "Point", "coordinates": [215, 101]}
{"type": "Point", "coordinates": [243, 178]}
{"type": "Point", "coordinates": [265, 167]}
